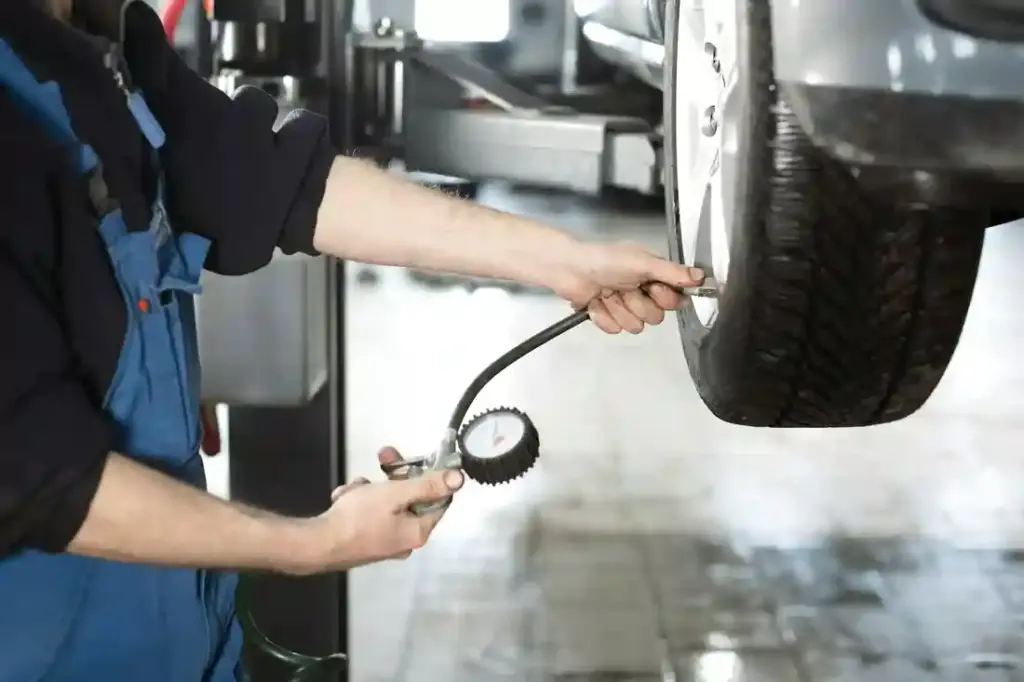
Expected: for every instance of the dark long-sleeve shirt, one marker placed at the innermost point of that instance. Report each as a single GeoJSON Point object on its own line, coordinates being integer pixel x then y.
{"type": "Point", "coordinates": [231, 178]}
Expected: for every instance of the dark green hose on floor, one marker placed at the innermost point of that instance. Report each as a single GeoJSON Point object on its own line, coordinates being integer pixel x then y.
{"type": "Point", "coordinates": [306, 668]}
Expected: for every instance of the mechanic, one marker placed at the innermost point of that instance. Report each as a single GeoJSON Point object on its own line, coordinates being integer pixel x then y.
{"type": "Point", "coordinates": [118, 188]}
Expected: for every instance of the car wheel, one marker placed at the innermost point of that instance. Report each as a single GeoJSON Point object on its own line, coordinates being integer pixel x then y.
{"type": "Point", "coordinates": [834, 308]}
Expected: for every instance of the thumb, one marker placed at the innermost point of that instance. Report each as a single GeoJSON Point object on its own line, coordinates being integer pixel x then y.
{"type": "Point", "coordinates": [673, 274]}
{"type": "Point", "coordinates": [433, 487]}
{"type": "Point", "coordinates": [388, 455]}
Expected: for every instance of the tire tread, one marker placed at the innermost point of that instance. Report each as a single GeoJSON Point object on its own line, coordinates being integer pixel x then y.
{"type": "Point", "coordinates": [851, 307]}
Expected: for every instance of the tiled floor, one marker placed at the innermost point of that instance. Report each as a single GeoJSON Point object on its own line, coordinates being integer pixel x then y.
{"type": "Point", "coordinates": [653, 542]}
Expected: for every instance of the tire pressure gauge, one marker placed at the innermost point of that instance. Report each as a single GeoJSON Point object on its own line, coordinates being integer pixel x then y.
{"type": "Point", "coordinates": [498, 446]}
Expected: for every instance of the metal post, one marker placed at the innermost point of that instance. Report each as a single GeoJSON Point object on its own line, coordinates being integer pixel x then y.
{"type": "Point", "coordinates": [289, 459]}
{"type": "Point", "coordinates": [204, 43]}
{"type": "Point", "coordinates": [336, 30]}
{"type": "Point", "coordinates": [284, 459]}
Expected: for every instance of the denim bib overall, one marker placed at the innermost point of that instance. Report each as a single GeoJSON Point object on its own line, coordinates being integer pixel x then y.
{"type": "Point", "coordinates": [65, 618]}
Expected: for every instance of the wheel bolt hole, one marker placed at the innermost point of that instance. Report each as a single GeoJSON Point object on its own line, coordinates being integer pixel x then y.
{"type": "Point", "coordinates": [709, 124]}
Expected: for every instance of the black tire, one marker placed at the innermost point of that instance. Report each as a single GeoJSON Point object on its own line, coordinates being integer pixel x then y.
{"type": "Point", "coordinates": [839, 310]}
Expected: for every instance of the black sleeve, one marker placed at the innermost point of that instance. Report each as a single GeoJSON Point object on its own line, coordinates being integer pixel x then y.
{"type": "Point", "coordinates": [54, 438]}
{"type": "Point", "coordinates": [233, 176]}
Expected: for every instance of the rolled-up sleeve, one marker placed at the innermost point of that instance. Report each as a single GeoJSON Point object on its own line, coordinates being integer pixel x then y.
{"type": "Point", "coordinates": [236, 174]}
{"type": "Point", "coordinates": [54, 438]}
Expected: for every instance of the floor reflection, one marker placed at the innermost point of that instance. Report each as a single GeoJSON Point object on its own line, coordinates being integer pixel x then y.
{"type": "Point", "coordinates": [596, 606]}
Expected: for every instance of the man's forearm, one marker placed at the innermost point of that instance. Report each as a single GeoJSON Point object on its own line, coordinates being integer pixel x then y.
{"type": "Point", "coordinates": [142, 516]}
{"type": "Point", "coordinates": [372, 216]}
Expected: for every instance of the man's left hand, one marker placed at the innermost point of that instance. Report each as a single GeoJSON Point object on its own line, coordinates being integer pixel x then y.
{"type": "Point", "coordinates": [626, 287]}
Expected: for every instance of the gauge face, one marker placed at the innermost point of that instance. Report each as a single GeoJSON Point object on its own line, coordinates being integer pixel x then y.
{"type": "Point", "coordinates": [494, 435]}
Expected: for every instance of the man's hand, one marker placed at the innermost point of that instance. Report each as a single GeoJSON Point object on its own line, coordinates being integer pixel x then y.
{"type": "Point", "coordinates": [370, 522]}
{"type": "Point", "coordinates": [625, 286]}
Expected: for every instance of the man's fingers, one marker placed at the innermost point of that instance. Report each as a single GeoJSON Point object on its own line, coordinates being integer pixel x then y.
{"type": "Point", "coordinates": [388, 455]}
{"type": "Point", "coordinates": [426, 524]}
{"type": "Point", "coordinates": [622, 315]}
{"type": "Point", "coordinates": [600, 316]}
{"type": "Point", "coordinates": [674, 274]}
{"type": "Point", "coordinates": [665, 297]}
{"type": "Point", "coordinates": [392, 464]}
{"type": "Point", "coordinates": [430, 488]}
{"type": "Point", "coordinates": [643, 306]}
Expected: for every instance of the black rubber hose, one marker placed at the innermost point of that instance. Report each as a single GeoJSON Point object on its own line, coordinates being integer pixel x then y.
{"type": "Point", "coordinates": [304, 668]}
{"type": "Point", "coordinates": [498, 366]}
{"type": "Point", "coordinates": [531, 344]}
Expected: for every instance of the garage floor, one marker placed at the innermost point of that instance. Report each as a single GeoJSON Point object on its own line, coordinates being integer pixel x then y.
{"type": "Point", "coordinates": [655, 543]}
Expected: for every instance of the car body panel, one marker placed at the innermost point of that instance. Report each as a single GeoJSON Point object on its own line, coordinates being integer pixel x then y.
{"type": "Point", "coordinates": [874, 82]}
{"type": "Point", "coordinates": [639, 18]}
{"type": "Point", "coordinates": [889, 45]}
{"type": "Point", "coordinates": [879, 85]}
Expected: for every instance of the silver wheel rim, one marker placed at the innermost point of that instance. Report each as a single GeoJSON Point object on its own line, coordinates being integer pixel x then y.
{"type": "Point", "coordinates": [707, 107]}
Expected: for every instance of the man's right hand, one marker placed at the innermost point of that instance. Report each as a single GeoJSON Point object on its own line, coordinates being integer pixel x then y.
{"type": "Point", "coordinates": [370, 522]}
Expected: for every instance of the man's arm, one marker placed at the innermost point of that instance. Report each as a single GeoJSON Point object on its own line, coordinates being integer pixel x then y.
{"type": "Point", "coordinates": [139, 515]}
{"type": "Point", "coordinates": [405, 224]}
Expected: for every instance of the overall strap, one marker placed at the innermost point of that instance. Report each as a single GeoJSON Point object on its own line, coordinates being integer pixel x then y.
{"type": "Point", "coordinates": [43, 102]}
{"type": "Point", "coordinates": [146, 121]}
{"type": "Point", "coordinates": [159, 224]}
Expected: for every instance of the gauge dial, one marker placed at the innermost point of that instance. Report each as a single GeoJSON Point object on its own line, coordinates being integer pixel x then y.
{"type": "Point", "coordinates": [493, 435]}
{"type": "Point", "coordinates": [498, 446]}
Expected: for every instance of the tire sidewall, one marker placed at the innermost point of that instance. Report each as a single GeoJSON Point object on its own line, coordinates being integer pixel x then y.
{"type": "Point", "coordinates": [716, 357]}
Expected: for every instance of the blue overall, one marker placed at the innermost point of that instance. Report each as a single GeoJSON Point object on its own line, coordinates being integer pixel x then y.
{"type": "Point", "coordinates": [66, 618]}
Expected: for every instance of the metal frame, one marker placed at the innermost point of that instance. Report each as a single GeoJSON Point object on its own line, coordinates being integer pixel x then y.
{"type": "Point", "coordinates": [518, 137]}
{"type": "Point", "coordinates": [411, 104]}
